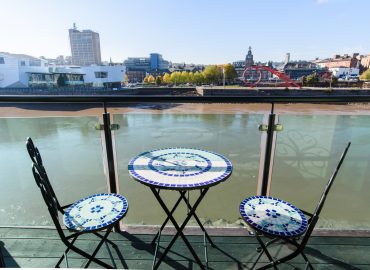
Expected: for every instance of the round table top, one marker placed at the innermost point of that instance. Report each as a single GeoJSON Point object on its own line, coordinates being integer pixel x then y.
{"type": "Point", "coordinates": [273, 216]}
{"type": "Point", "coordinates": [95, 212]}
{"type": "Point", "coordinates": [180, 168]}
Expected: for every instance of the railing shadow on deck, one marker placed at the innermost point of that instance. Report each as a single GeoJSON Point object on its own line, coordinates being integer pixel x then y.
{"type": "Point", "coordinates": [10, 262]}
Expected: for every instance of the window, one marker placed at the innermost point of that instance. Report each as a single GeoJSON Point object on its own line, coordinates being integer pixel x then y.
{"type": "Point", "coordinates": [2, 60]}
{"type": "Point", "coordinates": [101, 74]}
{"type": "Point", "coordinates": [35, 63]}
{"type": "Point", "coordinates": [23, 63]}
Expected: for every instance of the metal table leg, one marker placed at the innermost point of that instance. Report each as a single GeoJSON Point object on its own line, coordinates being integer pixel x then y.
{"type": "Point", "coordinates": [177, 227]}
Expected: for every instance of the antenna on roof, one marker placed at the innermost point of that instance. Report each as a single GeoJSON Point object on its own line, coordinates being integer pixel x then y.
{"type": "Point", "coordinates": [74, 26]}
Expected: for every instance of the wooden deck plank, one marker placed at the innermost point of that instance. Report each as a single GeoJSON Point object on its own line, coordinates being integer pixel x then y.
{"type": "Point", "coordinates": [42, 248]}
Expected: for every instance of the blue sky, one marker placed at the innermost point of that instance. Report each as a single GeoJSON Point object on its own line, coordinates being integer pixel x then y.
{"type": "Point", "coordinates": [192, 31]}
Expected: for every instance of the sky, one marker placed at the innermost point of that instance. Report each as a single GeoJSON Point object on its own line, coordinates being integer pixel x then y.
{"type": "Point", "coordinates": [191, 31]}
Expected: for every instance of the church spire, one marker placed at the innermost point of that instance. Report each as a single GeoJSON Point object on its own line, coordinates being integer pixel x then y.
{"type": "Point", "coordinates": [249, 58]}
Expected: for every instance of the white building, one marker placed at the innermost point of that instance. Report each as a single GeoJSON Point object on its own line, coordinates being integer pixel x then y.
{"type": "Point", "coordinates": [100, 76]}
{"type": "Point", "coordinates": [345, 73]}
{"type": "Point", "coordinates": [19, 70]}
{"type": "Point", "coordinates": [16, 70]}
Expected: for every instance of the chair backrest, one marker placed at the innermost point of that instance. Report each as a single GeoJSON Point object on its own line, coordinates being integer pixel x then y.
{"type": "Point", "coordinates": [43, 182]}
{"type": "Point", "coordinates": [320, 205]}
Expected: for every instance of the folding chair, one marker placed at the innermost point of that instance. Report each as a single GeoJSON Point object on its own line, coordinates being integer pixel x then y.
{"type": "Point", "coordinates": [89, 215]}
{"type": "Point", "coordinates": [280, 220]}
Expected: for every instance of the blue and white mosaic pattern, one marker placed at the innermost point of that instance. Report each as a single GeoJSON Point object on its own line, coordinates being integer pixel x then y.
{"type": "Point", "coordinates": [273, 216]}
{"type": "Point", "coordinates": [180, 168]}
{"type": "Point", "coordinates": [95, 212]}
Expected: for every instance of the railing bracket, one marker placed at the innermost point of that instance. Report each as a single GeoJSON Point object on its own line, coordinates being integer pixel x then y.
{"type": "Point", "coordinates": [264, 127]}
{"type": "Point", "coordinates": [101, 127]}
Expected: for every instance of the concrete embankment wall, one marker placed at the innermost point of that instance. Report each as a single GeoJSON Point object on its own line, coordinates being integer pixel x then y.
{"type": "Point", "coordinates": [98, 91]}
{"type": "Point", "coordinates": [189, 91]}
{"type": "Point", "coordinates": [280, 92]}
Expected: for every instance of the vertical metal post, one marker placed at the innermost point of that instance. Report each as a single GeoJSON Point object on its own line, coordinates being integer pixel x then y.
{"type": "Point", "coordinates": [110, 156]}
{"type": "Point", "coordinates": [269, 140]}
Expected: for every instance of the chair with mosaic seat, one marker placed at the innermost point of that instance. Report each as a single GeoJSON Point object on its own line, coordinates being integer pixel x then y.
{"type": "Point", "coordinates": [92, 214]}
{"type": "Point", "coordinates": [279, 220]}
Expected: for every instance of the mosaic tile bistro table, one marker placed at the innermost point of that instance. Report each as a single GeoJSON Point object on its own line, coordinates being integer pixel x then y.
{"type": "Point", "coordinates": [181, 170]}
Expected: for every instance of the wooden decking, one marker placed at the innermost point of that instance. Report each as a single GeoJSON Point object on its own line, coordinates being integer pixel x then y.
{"type": "Point", "coordinates": [34, 248]}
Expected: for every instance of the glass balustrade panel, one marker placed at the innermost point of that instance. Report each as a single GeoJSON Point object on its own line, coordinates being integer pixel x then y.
{"type": "Point", "coordinates": [228, 129]}
{"type": "Point", "coordinates": [71, 149]}
{"type": "Point", "coordinates": [307, 152]}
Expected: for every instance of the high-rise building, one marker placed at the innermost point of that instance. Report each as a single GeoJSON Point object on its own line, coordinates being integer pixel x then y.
{"type": "Point", "coordinates": [287, 58]}
{"type": "Point", "coordinates": [85, 47]}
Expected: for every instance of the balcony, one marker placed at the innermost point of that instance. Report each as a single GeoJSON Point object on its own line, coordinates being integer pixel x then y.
{"type": "Point", "coordinates": [71, 136]}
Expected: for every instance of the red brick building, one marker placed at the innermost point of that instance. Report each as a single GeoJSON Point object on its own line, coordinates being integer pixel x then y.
{"type": "Point", "coordinates": [365, 61]}
{"type": "Point", "coordinates": [340, 61]}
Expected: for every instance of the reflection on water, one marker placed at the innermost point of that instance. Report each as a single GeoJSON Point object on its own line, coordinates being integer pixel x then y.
{"type": "Point", "coordinates": [71, 150]}
{"type": "Point", "coordinates": [235, 136]}
{"type": "Point", "coordinates": [307, 151]}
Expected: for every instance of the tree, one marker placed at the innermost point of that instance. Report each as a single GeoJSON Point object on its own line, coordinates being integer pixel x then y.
{"type": "Point", "coordinates": [125, 80]}
{"type": "Point", "coordinates": [146, 80]}
{"type": "Point", "coordinates": [230, 73]}
{"type": "Point", "coordinates": [158, 80]}
{"type": "Point", "coordinates": [175, 77]}
{"type": "Point", "coordinates": [151, 79]}
{"type": "Point", "coordinates": [184, 78]}
{"type": "Point", "coordinates": [365, 75]}
{"type": "Point", "coordinates": [61, 81]}
{"type": "Point", "coordinates": [166, 78]}
{"type": "Point", "coordinates": [198, 78]}
{"type": "Point", "coordinates": [191, 77]}
{"type": "Point", "coordinates": [212, 74]}
{"type": "Point", "coordinates": [312, 79]}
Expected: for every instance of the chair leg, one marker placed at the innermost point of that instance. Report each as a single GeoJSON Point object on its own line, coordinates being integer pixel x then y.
{"type": "Point", "coordinates": [308, 264]}
{"type": "Point", "coordinates": [65, 254]}
{"type": "Point", "coordinates": [272, 262]}
{"type": "Point", "coordinates": [259, 249]}
{"type": "Point", "coordinates": [92, 257]}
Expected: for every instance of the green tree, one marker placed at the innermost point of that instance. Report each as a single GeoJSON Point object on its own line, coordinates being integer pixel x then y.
{"type": "Point", "coordinates": [213, 74]}
{"type": "Point", "coordinates": [191, 77]}
{"type": "Point", "coordinates": [365, 76]}
{"type": "Point", "coordinates": [61, 81]}
{"type": "Point", "coordinates": [198, 78]}
{"type": "Point", "coordinates": [312, 79]}
{"type": "Point", "coordinates": [158, 80]}
{"type": "Point", "coordinates": [230, 73]}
